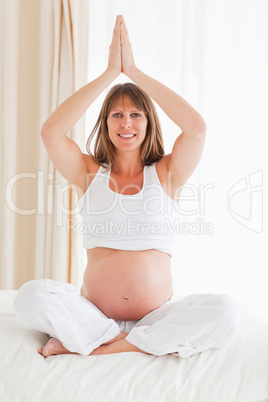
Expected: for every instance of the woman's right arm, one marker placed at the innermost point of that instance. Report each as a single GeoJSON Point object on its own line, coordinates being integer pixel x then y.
{"type": "Point", "coordinates": [64, 153]}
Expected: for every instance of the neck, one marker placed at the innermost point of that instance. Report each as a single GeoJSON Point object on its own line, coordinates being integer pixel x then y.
{"type": "Point", "coordinates": [127, 166]}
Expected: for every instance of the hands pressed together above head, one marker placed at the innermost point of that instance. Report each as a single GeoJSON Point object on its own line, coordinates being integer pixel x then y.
{"type": "Point", "coordinates": [120, 53]}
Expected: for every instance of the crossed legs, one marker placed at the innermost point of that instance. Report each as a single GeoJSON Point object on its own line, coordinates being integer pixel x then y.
{"type": "Point", "coordinates": [117, 345]}
{"type": "Point", "coordinates": [192, 325]}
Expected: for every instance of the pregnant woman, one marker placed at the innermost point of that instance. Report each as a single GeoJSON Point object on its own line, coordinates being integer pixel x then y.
{"type": "Point", "coordinates": [128, 192]}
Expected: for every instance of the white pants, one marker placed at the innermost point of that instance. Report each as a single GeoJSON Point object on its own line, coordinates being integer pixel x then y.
{"type": "Point", "coordinates": [183, 328]}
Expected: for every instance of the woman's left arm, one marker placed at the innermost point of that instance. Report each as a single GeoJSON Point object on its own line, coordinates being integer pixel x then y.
{"type": "Point", "coordinates": [188, 147]}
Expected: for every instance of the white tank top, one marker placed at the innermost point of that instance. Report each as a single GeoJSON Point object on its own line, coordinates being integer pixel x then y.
{"type": "Point", "coordinates": [143, 221]}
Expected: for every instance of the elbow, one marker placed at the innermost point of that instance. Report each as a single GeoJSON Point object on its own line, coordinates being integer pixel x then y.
{"type": "Point", "coordinates": [201, 128]}
{"type": "Point", "coordinates": [48, 132]}
{"type": "Point", "coordinates": [45, 131]}
{"type": "Point", "coordinates": [51, 132]}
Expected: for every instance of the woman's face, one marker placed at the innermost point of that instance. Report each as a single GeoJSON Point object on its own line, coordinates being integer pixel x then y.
{"type": "Point", "coordinates": [126, 125]}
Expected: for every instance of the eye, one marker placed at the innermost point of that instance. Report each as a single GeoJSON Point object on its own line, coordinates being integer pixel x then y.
{"type": "Point", "coordinates": [136, 115]}
{"type": "Point", "coordinates": [117, 115]}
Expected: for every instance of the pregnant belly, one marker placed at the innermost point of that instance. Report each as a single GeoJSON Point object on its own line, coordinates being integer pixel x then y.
{"type": "Point", "coordinates": [127, 285]}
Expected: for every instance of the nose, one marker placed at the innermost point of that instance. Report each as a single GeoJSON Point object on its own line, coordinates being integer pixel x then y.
{"type": "Point", "coordinates": [126, 122]}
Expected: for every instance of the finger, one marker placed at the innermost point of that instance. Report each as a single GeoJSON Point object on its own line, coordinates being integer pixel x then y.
{"type": "Point", "coordinates": [117, 23]}
{"type": "Point", "coordinates": [118, 19]}
{"type": "Point", "coordinates": [124, 27]}
{"type": "Point", "coordinates": [124, 23]}
{"type": "Point", "coordinates": [116, 31]}
{"type": "Point", "coordinates": [124, 38]}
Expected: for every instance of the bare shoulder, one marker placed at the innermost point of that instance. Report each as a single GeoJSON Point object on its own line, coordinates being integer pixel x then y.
{"type": "Point", "coordinates": [169, 182]}
{"type": "Point", "coordinates": [162, 168]}
{"type": "Point", "coordinates": [92, 169]}
{"type": "Point", "coordinates": [175, 169]}
{"type": "Point", "coordinates": [92, 166]}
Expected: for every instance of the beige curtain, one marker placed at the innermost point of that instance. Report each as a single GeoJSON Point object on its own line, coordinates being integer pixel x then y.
{"type": "Point", "coordinates": [43, 48]}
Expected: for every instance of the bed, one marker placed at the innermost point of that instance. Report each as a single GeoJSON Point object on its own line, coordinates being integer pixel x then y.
{"type": "Point", "coordinates": [237, 373]}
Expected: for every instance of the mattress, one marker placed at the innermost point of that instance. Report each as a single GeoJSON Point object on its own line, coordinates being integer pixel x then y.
{"type": "Point", "coordinates": [236, 373]}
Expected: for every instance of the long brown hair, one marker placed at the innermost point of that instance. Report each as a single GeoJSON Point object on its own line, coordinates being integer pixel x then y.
{"type": "Point", "coordinates": [152, 148]}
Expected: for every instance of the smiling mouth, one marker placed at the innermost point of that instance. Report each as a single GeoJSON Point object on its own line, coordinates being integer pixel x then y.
{"type": "Point", "coordinates": [127, 135]}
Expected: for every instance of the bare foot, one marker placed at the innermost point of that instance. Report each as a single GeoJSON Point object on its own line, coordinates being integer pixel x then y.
{"type": "Point", "coordinates": [53, 347]}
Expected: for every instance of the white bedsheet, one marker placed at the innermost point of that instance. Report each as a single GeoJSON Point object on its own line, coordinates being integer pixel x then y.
{"type": "Point", "coordinates": [237, 373]}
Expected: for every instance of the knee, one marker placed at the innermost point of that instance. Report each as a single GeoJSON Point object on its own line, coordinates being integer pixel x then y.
{"type": "Point", "coordinates": [27, 297]}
